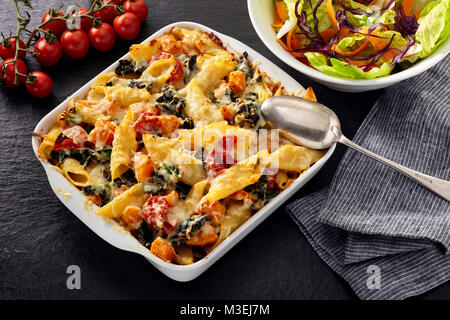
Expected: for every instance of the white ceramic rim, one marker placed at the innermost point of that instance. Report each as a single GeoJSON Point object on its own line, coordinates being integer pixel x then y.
{"type": "Point", "coordinates": [282, 54]}
{"type": "Point", "coordinates": [108, 230]}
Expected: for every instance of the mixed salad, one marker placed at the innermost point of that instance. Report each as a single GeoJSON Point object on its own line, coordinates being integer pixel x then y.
{"type": "Point", "coordinates": [362, 39]}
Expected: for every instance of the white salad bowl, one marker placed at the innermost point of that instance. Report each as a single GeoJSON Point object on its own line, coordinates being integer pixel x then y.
{"type": "Point", "coordinates": [262, 13]}
{"type": "Point", "coordinates": [112, 232]}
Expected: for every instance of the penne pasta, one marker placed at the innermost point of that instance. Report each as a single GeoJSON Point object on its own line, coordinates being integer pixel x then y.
{"type": "Point", "coordinates": [173, 146]}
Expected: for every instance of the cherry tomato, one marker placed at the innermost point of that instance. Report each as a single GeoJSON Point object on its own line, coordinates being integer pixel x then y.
{"type": "Point", "coordinates": [42, 85]}
{"type": "Point", "coordinates": [138, 7]}
{"type": "Point", "coordinates": [56, 27]}
{"type": "Point", "coordinates": [107, 14]}
{"type": "Point", "coordinates": [272, 181]}
{"type": "Point", "coordinates": [155, 214]}
{"type": "Point", "coordinates": [49, 53]}
{"type": "Point", "coordinates": [9, 51]}
{"type": "Point", "coordinates": [102, 38]}
{"type": "Point", "coordinates": [75, 43]}
{"type": "Point", "coordinates": [85, 22]}
{"type": "Point", "coordinates": [177, 72]}
{"type": "Point", "coordinates": [222, 157]}
{"type": "Point", "coordinates": [127, 26]}
{"type": "Point", "coordinates": [9, 68]}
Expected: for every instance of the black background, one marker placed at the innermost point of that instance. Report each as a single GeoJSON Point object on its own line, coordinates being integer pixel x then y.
{"type": "Point", "coordinates": [40, 238]}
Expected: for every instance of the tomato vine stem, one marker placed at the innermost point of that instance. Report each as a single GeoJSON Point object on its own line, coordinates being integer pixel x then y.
{"type": "Point", "coordinates": [23, 22]}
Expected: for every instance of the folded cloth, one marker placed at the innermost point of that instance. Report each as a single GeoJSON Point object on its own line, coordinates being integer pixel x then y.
{"type": "Point", "coordinates": [385, 234]}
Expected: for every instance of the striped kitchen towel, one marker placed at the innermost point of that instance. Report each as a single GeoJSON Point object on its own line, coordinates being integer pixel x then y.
{"type": "Point", "coordinates": [386, 235]}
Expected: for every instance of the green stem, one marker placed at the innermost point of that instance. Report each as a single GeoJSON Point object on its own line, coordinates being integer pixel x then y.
{"type": "Point", "coordinates": [22, 23]}
{"type": "Point", "coordinates": [19, 29]}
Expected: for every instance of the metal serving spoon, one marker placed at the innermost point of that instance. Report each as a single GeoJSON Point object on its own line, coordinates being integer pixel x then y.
{"type": "Point", "coordinates": [315, 126]}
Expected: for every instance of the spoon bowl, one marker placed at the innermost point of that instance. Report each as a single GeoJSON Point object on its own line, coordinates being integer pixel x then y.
{"type": "Point", "coordinates": [316, 126]}
{"type": "Point", "coordinates": [308, 123]}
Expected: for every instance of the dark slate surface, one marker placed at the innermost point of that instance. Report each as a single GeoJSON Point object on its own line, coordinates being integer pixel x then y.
{"type": "Point", "coordinates": [40, 238]}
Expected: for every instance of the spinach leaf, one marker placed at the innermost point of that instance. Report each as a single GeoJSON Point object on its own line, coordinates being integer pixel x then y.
{"type": "Point", "coordinates": [261, 190]}
{"type": "Point", "coordinates": [82, 155]}
{"type": "Point", "coordinates": [171, 103]}
{"type": "Point", "coordinates": [182, 189]}
{"type": "Point", "coordinates": [162, 179]}
{"type": "Point", "coordinates": [103, 155]}
{"type": "Point", "coordinates": [249, 114]}
{"type": "Point", "coordinates": [103, 191]}
{"type": "Point", "coordinates": [187, 228]}
{"type": "Point", "coordinates": [127, 178]}
{"type": "Point", "coordinates": [127, 67]}
{"type": "Point", "coordinates": [70, 117]}
{"type": "Point", "coordinates": [245, 66]}
{"type": "Point", "coordinates": [145, 235]}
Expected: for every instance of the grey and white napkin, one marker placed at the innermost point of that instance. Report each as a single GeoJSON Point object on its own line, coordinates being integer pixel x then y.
{"type": "Point", "coordinates": [386, 235]}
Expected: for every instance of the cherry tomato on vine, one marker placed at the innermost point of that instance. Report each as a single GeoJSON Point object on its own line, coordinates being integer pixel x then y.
{"type": "Point", "coordinates": [42, 85]}
{"type": "Point", "coordinates": [102, 38]}
{"type": "Point", "coordinates": [56, 27]}
{"type": "Point", "coordinates": [9, 71]}
{"type": "Point", "coordinates": [10, 50]}
{"type": "Point", "coordinates": [49, 53]}
{"type": "Point", "coordinates": [75, 43]}
{"type": "Point", "coordinates": [107, 14]}
{"type": "Point", "coordinates": [138, 7]}
{"type": "Point", "coordinates": [85, 22]}
{"type": "Point", "coordinates": [127, 26]}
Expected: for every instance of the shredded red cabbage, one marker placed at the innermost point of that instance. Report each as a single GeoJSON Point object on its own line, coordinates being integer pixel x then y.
{"type": "Point", "coordinates": [358, 11]}
{"type": "Point", "coordinates": [388, 5]}
{"type": "Point", "coordinates": [398, 57]}
{"type": "Point", "coordinates": [406, 25]}
{"type": "Point", "coordinates": [316, 20]}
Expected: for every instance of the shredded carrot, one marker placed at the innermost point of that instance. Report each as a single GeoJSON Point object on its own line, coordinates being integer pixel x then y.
{"type": "Point", "coordinates": [281, 11]}
{"type": "Point", "coordinates": [295, 54]}
{"type": "Point", "coordinates": [417, 13]}
{"type": "Point", "coordinates": [277, 21]}
{"type": "Point", "coordinates": [354, 52]}
{"type": "Point", "coordinates": [288, 38]}
{"type": "Point", "coordinates": [373, 2]}
{"type": "Point", "coordinates": [357, 62]}
{"type": "Point", "coordinates": [407, 6]}
{"type": "Point", "coordinates": [282, 44]}
{"type": "Point", "coordinates": [376, 42]}
{"type": "Point", "coordinates": [389, 54]}
{"type": "Point", "coordinates": [294, 42]}
{"type": "Point", "coordinates": [327, 34]}
{"type": "Point", "coordinates": [344, 32]}
{"type": "Point", "coordinates": [331, 14]}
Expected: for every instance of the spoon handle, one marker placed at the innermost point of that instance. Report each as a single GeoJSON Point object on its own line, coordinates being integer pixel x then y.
{"type": "Point", "coordinates": [438, 186]}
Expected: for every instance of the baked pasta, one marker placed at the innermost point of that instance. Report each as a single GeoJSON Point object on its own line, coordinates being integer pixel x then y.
{"type": "Point", "coordinates": [172, 144]}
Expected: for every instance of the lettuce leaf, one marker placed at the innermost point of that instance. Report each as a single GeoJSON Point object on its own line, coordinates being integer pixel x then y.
{"type": "Point", "coordinates": [434, 26]}
{"type": "Point", "coordinates": [321, 14]}
{"type": "Point", "coordinates": [420, 4]}
{"type": "Point", "coordinates": [341, 69]}
{"type": "Point", "coordinates": [399, 41]}
{"type": "Point", "coordinates": [348, 43]}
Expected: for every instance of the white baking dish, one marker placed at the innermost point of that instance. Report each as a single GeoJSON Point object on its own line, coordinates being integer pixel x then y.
{"type": "Point", "coordinates": [112, 232]}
